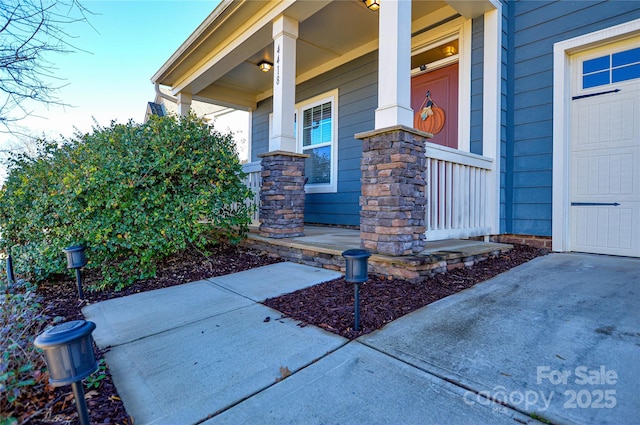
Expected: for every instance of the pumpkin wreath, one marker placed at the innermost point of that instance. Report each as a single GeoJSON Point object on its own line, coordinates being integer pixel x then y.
{"type": "Point", "coordinates": [430, 118]}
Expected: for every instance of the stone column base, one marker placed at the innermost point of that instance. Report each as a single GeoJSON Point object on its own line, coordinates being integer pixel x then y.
{"type": "Point", "coordinates": [393, 201]}
{"type": "Point", "coordinates": [282, 195]}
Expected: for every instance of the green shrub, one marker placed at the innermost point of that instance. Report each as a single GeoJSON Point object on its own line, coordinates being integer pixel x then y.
{"type": "Point", "coordinates": [21, 366]}
{"type": "Point", "coordinates": [132, 193]}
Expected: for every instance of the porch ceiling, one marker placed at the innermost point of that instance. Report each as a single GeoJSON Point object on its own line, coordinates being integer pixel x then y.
{"type": "Point", "coordinates": [218, 63]}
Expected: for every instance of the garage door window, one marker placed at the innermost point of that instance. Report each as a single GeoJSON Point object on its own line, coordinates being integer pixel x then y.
{"type": "Point", "coordinates": [613, 68]}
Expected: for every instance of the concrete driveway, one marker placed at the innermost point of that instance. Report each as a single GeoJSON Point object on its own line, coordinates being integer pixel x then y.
{"type": "Point", "coordinates": [556, 339]}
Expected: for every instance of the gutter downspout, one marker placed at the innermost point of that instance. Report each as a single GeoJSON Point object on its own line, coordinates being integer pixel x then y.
{"type": "Point", "coordinates": [165, 96]}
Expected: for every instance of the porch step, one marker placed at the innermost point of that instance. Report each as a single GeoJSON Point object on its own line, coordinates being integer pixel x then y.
{"type": "Point", "coordinates": [323, 247]}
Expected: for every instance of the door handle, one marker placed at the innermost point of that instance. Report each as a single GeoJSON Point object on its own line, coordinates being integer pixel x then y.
{"type": "Point", "coordinates": [594, 204]}
{"type": "Point", "coordinates": [594, 94]}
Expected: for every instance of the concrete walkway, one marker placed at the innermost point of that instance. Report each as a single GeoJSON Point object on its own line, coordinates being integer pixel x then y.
{"type": "Point", "coordinates": [556, 339]}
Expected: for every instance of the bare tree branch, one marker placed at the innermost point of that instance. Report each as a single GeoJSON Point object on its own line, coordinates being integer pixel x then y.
{"type": "Point", "coordinates": [30, 32]}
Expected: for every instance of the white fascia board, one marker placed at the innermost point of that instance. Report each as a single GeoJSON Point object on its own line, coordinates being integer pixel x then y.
{"type": "Point", "coordinates": [231, 57]}
{"type": "Point", "coordinates": [236, 41]}
{"type": "Point", "coordinates": [238, 44]}
{"type": "Point", "coordinates": [471, 9]}
{"type": "Point", "coordinates": [174, 59]}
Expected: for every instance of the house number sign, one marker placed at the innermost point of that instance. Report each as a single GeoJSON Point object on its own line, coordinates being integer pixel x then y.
{"type": "Point", "coordinates": [278, 64]}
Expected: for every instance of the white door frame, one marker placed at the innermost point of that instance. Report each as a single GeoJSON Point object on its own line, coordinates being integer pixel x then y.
{"type": "Point", "coordinates": [562, 120]}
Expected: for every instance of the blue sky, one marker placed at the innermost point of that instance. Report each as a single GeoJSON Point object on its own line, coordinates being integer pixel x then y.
{"type": "Point", "coordinates": [109, 79]}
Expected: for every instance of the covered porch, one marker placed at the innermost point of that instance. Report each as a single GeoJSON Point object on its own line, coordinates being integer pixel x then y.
{"type": "Point", "coordinates": [354, 138]}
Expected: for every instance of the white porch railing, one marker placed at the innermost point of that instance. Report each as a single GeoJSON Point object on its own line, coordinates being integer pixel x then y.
{"type": "Point", "coordinates": [254, 181]}
{"type": "Point", "coordinates": [456, 193]}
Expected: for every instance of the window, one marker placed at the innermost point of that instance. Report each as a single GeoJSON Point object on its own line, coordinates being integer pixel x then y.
{"type": "Point", "coordinates": [316, 138]}
{"type": "Point", "coordinates": [613, 68]}
{"type": "Point", "coordinates": [317, 135]}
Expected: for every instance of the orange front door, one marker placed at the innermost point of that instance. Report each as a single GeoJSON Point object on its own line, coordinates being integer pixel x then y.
{"type": "Point", "coordinates": [443, 85]}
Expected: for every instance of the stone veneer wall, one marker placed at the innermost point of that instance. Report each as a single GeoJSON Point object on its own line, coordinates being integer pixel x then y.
{"type": "Point", "coordinates": [393, 201]}
{"type": "Point", "coordinates": [412, 268]}
{"type": "Point", "coordinates": [282, 194]}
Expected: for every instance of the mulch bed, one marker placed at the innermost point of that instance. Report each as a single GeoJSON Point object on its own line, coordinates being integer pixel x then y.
{"type": "Point", "coordinates": [328, 305]}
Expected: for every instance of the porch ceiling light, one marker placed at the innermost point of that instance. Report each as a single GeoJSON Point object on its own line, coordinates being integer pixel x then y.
{"type": "Point", "coordinates": [265, 66]}
{"type": "Point", "coordinates": [372, 4]}
{"type": "Point", "coordinates": [449, 50]}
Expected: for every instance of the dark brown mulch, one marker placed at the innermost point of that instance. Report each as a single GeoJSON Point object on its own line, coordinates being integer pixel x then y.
{"type": "Point", "coordinates": [187, 266]}
{"type": "Point", "coordinates": [330, 305]}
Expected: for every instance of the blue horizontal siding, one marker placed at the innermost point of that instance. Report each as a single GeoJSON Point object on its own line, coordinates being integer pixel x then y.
{"type": "Point", "coordinates": [537, 97]}
{"type": "Point", "coordinates": [532, 195]}
{"type": "Point", "coordinates": [529, 114]}
{"type": "Point", "coordinates": [477, 53]}
{"type": "Point", "coordinates": [532, 212]}
{"type": "Point", "coordinates": [535, 178]}
{"type": "Point", "coordinates": [535, 130]}
{"type": "Point", "coordinates": [533, 66]}
{"type": "Point", "coordinates": [534, 26]}
{"type": "Point", "coordinates": [531, 163]}
{"type": "Point", "coordinates": [260, 129]}
{"type": "Point", "coordinates": [532, 226]}
{"type": "Point", "coordinates": [526, 147]}
{"type": "Point", "coordinates": [505, 104]}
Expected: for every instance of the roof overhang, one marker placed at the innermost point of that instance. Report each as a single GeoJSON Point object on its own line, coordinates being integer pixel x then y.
{"type": "Point", "coordinates": [218, 62]}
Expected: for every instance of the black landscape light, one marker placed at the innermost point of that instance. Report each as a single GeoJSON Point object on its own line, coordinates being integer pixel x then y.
{"type": "Point", "coordinates": [68, 352]}
{"type": "Point", "coordinates": [356, 273]}
{"type": "Point", "coordinates": [76, 260]}
{"type": "Point", "coordinates": [10, 276]}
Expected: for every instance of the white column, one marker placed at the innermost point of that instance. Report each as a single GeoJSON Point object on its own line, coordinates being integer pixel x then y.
{"type": "Point", "coordinates": [285, 33]}
{"type": "Point", "coordinates": [184, 103]}
{"type": "Point", "coordinates": [491, 111]}
{"type": "Point", "coordinates": [394, 65]}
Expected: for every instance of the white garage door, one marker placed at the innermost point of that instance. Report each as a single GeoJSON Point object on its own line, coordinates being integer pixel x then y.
{"type": "Point", "coordinates": [605, 150]}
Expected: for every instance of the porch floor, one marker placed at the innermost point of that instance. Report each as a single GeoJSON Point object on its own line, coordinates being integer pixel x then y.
{"type": "Point", "coordinates": [322, 246]}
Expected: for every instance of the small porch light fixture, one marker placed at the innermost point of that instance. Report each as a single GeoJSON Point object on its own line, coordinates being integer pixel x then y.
{"type": "Point", "coordinates": [356, 273]}
{"type": "Point", "coordinates": [76, 260]}
{"type": "Point", "coordinates": [372, 4]}
{"type": "Point", "coordinates": [68, 353]}
{"type": "Point", "coordinates": [449, 51]}
{"type": "Point", "coordinates": [265, 66]}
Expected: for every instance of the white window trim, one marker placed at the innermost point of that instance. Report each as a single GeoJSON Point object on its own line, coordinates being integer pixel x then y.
{"type": "Point", "coordinates": [460, 29]}
{"type": "Point", "coordinates": [330, 96]}
{"type": "Point", "coordinates": [562, 52]}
